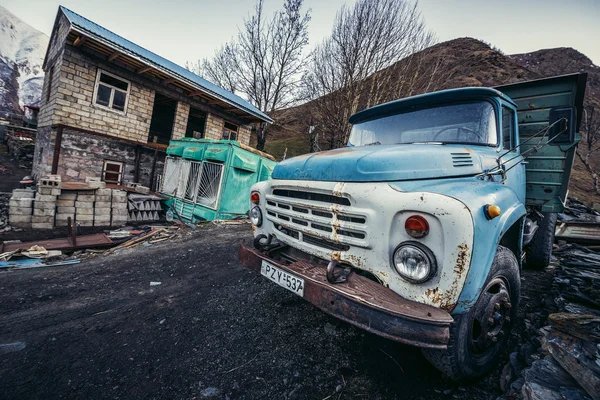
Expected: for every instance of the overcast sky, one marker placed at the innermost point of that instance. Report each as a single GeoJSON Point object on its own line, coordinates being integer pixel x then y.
{"type": "Point", "coordinates": [187, 30]}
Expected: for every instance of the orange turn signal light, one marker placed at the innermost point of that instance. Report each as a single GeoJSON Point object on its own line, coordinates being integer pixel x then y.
{"type": "Point", "coordinates": [491, 211]}
{"type": "Point", "coordinates": [255, 197]}
{"type": "Point", "coordinates": [416, 226]}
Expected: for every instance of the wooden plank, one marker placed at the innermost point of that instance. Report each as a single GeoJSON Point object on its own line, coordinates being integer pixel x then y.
{"type": "Point", "coordinates": [168, 81]}
{"type": "Point", "coordinates": [83, 242]}
{"type": "Point", "coordinates": [114, 56]}
{"type": "Point", "coordinates": [79, 41]}
{"type": "Point", "coordinates": [144, 69]}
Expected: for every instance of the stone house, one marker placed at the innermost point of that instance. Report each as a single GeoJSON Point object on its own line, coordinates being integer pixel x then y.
{"type": "Point", "coordinates": [110, 107]}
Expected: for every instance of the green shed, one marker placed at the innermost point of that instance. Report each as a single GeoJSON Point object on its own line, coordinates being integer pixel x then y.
{"type": "Point", "coordinates": [206, 179]}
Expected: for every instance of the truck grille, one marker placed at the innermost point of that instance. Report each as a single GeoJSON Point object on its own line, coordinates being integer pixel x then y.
{"type": "Point", "coordinates": [307, 217]}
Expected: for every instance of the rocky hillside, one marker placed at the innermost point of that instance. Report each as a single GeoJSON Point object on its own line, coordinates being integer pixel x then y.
{"type": "Point", "coordinates": [22, 50]}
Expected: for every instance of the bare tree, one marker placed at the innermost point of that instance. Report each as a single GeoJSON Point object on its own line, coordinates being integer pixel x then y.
{"type": "Point", "coordinates": [590, 143]}
{"type": "Point", "coordinates": [352, 69]}
{"type": "Point", "coordinates": [265, 61]}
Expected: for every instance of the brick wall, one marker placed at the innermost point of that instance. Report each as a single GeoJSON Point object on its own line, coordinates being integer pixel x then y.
{"type": "Point", "coordinates": [75, 105]}
{"type": "Point", "coordinates": [244, 133]}
{"type": "Point", "coordinates": [214, 127]}
{"type": "Point", "coordinates": [181, 118]}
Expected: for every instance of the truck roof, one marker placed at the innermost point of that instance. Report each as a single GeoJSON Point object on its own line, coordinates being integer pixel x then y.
{"type": "Point", "coordinates": [392, 107]}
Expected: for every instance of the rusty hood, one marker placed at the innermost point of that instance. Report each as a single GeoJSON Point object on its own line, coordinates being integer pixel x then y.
{"type": "Point", "coordinates": [388, 163]}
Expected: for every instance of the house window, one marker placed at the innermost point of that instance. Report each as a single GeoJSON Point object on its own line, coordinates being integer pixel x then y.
{"type": "Point", "coordinates": [112, 172]}
{"type": "Point", "coordinates": [508, 128]}
{"type": "Point", "coordinates": [230, 131]}
{"type": "Point", "coordinates": [111, 92]}
{"type": "Point", "coordinates": [50, 75]}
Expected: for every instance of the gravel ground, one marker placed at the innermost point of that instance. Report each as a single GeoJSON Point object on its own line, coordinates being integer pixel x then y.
{"type": "Point", "coordinates": [211, 329]}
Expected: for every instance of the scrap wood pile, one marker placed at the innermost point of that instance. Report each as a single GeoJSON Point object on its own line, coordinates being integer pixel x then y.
{"type": "Point", "coordinates": [567, 362]}
{"type": "Point", "coordinates": [148, 237]}
{"type": "Point", "coordinates": [34, 257]}
{"type": "Point", "coordinates": [54, 252]}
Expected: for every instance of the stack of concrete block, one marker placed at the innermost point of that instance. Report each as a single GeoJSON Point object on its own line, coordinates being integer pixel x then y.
{"type": "Point", "coordinates": [102, 207]}
{"type": "Point", "coordinates": [84, 207]}
{"type": "Point", "coordinates": [65, 207]}
{"type": "Point", "coordinates": [44, 207]}
{"type": "Point", "coordinates": [119, 207]}
{"type": "Point", "coordinates": [20, 208]}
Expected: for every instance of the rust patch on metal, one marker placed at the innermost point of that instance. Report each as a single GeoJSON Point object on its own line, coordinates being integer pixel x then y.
{"type": "Point", "coordinates": [462, 259]}
{"type": "Point", "coordinates": [447, 299]}
{"type": "Point", "coordinates": [337, 190]}
{"type": "Point", "coordinates": [336, 255]}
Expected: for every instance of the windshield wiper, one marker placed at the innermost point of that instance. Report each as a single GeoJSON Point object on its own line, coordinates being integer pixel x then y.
{"type": "Point", "coordinates": [372, 144]}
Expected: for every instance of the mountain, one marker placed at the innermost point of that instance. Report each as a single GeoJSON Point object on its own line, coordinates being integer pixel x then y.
{"type": "Point", "coordinates": [560, 61]}
{"type": "Point", "coordinates": [22, 50]}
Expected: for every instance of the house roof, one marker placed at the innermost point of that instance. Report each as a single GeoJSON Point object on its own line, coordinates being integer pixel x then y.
{"type": "Point", "coordinates": [88, 28]}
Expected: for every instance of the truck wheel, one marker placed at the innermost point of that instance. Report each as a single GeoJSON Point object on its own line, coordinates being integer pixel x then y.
{"type": "Point", "coordinates": [478, 336]}
{"type": "Point", "coordinates": [539, 250]}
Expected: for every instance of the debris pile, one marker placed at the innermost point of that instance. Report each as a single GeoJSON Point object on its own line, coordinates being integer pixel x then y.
{"type": "Point", "coordinates": [70, 250]}
{"type": "Point", "coordinates": [578, 211]}
{"type": "Point", "coordinates": [20, 141]}
{"type": "Point", "coordinates": [563, 360]}
{"type": "Point", "coordinates": [579, 224]}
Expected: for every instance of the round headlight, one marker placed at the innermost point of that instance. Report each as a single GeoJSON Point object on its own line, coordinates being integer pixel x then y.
{"type": "Point", "coordinates": [256, 216]}
{"type": "Point", "coordinates": [414, 262]}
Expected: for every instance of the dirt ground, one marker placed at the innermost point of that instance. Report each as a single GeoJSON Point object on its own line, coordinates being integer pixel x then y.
{"type": "Point", "coordinates": [101, 330]}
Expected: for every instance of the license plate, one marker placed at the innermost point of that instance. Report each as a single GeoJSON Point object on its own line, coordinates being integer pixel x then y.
{"type": "Point", "coordinates": [282, 278]}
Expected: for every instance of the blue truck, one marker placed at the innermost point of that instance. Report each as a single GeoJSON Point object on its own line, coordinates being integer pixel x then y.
{"type": "Point", "coordinates": [417, 230]}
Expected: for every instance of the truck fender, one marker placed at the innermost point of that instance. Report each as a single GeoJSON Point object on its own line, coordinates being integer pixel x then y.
{"type": "Point", "coordinates": [484, 249]}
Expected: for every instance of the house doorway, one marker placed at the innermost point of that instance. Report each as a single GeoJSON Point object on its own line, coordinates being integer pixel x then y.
{"type": "Point", "coordinates": [196, 124]}
{"type": "Point", "coordinates": [163, 116]}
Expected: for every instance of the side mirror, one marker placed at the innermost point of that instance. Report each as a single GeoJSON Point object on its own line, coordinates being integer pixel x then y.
{"type": "Point", "coordinates": [565, 129]}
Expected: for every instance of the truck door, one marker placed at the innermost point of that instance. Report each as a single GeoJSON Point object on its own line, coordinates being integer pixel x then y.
{"type": "Point", "coordinates": [514, 165]}
{"type": "Point", "coordinates": [555, 102]}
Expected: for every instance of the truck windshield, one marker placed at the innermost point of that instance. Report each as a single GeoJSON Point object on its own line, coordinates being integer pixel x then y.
{"type": "Point", "coordinates": [468, 123]}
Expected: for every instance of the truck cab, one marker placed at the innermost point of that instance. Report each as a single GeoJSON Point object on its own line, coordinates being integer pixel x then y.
{"type": "Point", "coordinates": [417, 230]}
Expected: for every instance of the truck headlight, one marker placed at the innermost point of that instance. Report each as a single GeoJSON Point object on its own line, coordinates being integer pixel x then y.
{"type": "Point", "coordinates": [414, 262]}
{"type": "Point", "coordinates": [256, 216]}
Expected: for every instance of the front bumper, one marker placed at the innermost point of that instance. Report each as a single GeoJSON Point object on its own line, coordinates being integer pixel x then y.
{"type": "Point", "coordinates": [365, 304]}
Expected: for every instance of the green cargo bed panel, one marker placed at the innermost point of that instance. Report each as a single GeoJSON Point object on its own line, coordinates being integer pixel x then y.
{"type": "Point", "coordinates": [548, 169]}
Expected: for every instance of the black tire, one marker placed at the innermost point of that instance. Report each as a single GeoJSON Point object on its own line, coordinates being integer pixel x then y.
{"type": "Point", "coordinates": [539, 250]}
{"type": "Point", "coordinates": [471, 352]}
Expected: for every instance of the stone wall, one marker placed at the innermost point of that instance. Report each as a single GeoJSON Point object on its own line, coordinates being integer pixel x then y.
{"type": "Point", "coordinates": [82, 155]}
{"type": "Point", "coordinates": [44, 149]}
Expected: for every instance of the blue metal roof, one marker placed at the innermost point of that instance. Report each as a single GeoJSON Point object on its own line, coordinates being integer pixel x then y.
{"type": "Point", "coordinates": [96, 30]}
{"type": "Point", "coordinates": [425, 99]}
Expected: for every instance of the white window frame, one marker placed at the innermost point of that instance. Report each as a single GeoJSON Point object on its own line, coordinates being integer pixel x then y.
{"type": "Point", "coordinates": [120, 173]}
{"type": "Point", "coordinates": [112, 93]}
